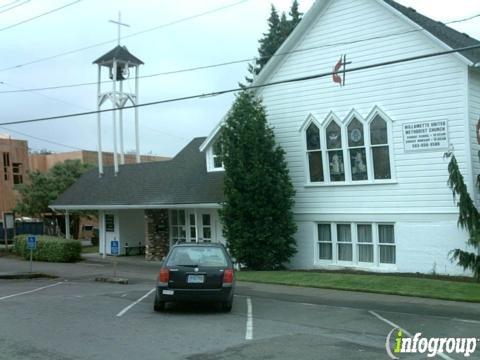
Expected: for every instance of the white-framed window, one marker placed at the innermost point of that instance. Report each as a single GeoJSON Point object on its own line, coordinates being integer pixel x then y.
{"type": "Point", "coordinates": [178, 226]}
{"type": "Point", "coordinates": [365, 243]}
{"type": "Point", "coordinates": [214, 157]}
{"type": "Point", "coordinates": [350, 151]}
{"type": "Point", "coordinates": [344, 242]}
{"type": "Point", "coordinates": [380, 148]}
{"type": "Point", "coordinates": [386, 244]}
{"type": "Point", "coordinates": [336, 163]}
{"type": "Point", "coordinates": [357, 151]}
{"type": "Point", "coordinates": [217, 156]}
{"type": "Point", "coordinates": [325, 250]}
{"type": "Point", "coordinates": [355, 243]}
{"type": "Point", "coordinates": [314, 153]}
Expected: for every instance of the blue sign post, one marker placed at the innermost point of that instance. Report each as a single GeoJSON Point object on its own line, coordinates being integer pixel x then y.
{"type": "Point", "coordinates": [31, 245]}
{"type": "Point", "coordinates": [114, 250]}
{"type": "Point", "coordinates": [114, 247]}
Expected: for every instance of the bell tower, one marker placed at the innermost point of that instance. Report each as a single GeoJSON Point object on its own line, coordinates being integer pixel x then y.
{"type": "Point", "coordinates": [119, 65]}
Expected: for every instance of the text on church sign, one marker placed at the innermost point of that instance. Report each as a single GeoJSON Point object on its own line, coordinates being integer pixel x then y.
{"type": "Point", "coordinates": [429, 135]}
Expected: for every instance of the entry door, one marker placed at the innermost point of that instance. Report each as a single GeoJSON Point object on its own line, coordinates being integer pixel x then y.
{"type": "Point", "coordinates": [205, 227]}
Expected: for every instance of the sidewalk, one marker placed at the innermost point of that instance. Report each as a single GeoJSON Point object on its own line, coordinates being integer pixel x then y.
{"type": "Point", "coordinates": [138, 260]}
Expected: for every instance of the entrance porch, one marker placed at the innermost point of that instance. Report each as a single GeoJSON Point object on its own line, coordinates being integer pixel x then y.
{"type": "Point", "coordinates": [155, 230]}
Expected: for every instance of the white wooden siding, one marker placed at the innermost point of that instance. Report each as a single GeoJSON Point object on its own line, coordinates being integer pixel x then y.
{"type": "Point", "coordinates": [423, 90]}
{"type": "Point", "coordinates": [474, 116]}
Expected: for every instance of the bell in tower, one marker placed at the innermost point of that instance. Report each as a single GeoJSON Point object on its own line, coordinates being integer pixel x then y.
{"type": "Point", "coordinates": [119, 64]}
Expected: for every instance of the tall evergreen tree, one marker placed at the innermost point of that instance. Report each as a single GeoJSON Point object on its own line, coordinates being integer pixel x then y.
{"type": "Point", "coordinates": [468, 219]}
{"type": "Point", "coordinates": [257, 212]}
{"type": "Point", "coordinates": [295, 14]}
{"type": "Point", "coordinates": [279, 28]}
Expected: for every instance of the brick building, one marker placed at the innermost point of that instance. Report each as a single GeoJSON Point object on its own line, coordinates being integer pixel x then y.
{"type": "Point", "coordinates": [43, 162]}
{"type": "Point", "coordinates": [14, 166]}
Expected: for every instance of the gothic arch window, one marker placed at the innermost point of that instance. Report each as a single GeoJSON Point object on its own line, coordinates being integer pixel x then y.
{"type": "Point", "coordinates": [380, 149]}
{"type": "Point", "coordinates": [352, 151]}
{"type": "Point", "coordinates": [357, 151]}
{"type": "Point", "coordinates": [314, 153]}
{"type": "Point", "coordinates": [335, 152]}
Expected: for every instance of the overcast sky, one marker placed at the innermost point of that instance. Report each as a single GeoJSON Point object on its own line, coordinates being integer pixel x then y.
{"type": "Point", "coordinates": [228, 34]}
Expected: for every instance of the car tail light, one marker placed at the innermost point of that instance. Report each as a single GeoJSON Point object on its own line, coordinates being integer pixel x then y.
{"type": "Point", "coordinates": [228, 277]}
{"type": "Point", "coordinates": [164, 276]}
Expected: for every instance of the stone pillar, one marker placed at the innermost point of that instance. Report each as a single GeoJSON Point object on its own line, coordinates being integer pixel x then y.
{"type": "Point", "coordinates": [157, 242]}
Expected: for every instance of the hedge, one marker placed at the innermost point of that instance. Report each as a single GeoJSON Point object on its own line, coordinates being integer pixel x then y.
{"type": "Point", "coordinates": [49, 248]}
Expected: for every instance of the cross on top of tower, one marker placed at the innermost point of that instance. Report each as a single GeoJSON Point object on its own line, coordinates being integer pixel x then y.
{"type": "Point", "coordinates": [119, 26]}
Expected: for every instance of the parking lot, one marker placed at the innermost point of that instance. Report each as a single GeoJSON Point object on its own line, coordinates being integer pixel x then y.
{"type": "Point", "coordinates": [77, 318]}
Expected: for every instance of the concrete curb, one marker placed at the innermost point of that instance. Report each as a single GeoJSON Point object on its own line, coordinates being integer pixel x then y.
{"type": "Point", "coordinates": [113, 280]}
{"type": "Point", "coordinates": [14, 276]}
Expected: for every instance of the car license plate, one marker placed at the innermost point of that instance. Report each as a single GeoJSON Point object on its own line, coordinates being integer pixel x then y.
{"type": "Point", "coordinates": [167, 292]}
{"type": "Point", "coordinates": [195, 279]}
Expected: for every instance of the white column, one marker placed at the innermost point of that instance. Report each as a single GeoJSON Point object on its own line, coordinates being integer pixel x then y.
{"type": "Point", "coordinates": [99, 125]}
{"type": "Point", "coordinates": [114, 97]}
{"type": "Point", "coordinates": [197, 227]}
{"type": "Point", "coordinates": [67, 225]}
{"type": "Point", "coordinates": [120, 119]}
{"type": "Point", "coordinates": [137, 136]}
{"type": "Point", "coordinates": [101, 234]}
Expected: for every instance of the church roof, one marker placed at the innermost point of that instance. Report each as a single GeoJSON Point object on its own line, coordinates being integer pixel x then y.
{"type": "Point", "coordinates": [444, 33]}
{"type": "Point", "coordinates": [181, 180]}
{"type": "Point", "coordinates": [119, 53]}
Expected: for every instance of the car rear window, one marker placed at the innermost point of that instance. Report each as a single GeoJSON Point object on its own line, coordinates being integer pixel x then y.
{"type": "Point", "coordinates": [200, 256]}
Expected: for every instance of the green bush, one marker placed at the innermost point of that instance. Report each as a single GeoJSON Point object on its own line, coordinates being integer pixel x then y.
{"type": "Point", "coordinates": [49, 248]}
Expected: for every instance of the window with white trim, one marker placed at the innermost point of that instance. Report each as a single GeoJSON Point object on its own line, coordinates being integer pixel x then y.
{"type": "Point", "coordinates": [356, 150]}
{"type": "Point", "coordinates": [314, 153]}
{"type": "Point", "coordinates": [325, 242]}
{"type": "Point", "coordinates": [355, 244]}
{"type": "Point", "coordinates": [365, 243]}
{"type": "Point", "coordinates": [344, 242]}
{"type": "Point", "coordinates": [178, 226]}
{"type": "Point", "coordinates": [380, 148]}
{"type": "Point", "coordinates": [386, 244]}
{"type": "Point", "coordinates": [353, 151]}
{"type": "Point", "coordinates": [217, 156]}
{"type": "Point", "coordinates": [335, 152]}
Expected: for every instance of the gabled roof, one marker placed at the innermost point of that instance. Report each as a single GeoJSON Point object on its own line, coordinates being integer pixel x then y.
{"type": "Point", "coordinates": [119, 53]}
{"type": "Point", "coordinates": [448, 36]}
{"type": "Point", "coordinates": [181, 180]}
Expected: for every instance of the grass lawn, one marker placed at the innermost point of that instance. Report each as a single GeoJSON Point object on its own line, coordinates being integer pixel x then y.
{"type": "Point", "coordinates": [90, 249]}
{"type": "Point", "coordinates": [383, 284]}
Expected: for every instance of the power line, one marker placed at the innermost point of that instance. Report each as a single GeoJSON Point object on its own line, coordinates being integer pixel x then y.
{"type": "Point", "coordinates": [9, 4]}
{"type": "Point", "coordinates": [222, 92]}
{"type": "Point", "coordinates": [233, 62]}
{"type": "Point", "coordinates": [124, 37]}
{"type": "Point", "coordinates": [13, 7]}
{"type": "Point", "coordinates": [38, 16]}
{"type": "Point", "coordinates": [80, 107]}
{"type": "Point", "coordinates": [40, 139]}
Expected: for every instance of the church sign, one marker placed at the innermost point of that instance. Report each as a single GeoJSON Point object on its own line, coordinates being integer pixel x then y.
{"type": "Point", "coordinates": [429, 135]}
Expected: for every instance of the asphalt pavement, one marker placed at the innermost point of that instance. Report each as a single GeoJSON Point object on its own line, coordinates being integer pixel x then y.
{"type": "Point", "coordinates": [74, 317]}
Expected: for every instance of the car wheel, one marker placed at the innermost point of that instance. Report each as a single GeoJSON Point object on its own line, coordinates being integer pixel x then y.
{"type": "Point", "coordinates": [159, 305]}
{"type": "Point", "coordinates": [227, 306]}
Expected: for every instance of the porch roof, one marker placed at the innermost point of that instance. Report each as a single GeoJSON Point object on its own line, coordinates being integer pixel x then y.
{"type": "Point", "coordinates": [183, 180]}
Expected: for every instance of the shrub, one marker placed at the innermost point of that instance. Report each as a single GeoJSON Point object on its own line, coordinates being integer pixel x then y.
{"type": "Point", "coordinates": [49, 248]}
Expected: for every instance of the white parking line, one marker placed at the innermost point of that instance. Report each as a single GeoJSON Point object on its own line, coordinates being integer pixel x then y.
{"type": "Point", "coordinates": [30, 291]}
{"type": "Point", "coordinates": [134, 303]}
{"type": "Point", "coordinates": [442, 355]}
{"type": "Point", "coordinates": [249, 329]}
